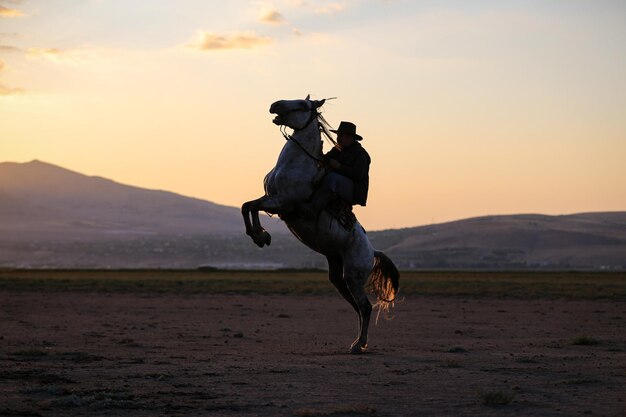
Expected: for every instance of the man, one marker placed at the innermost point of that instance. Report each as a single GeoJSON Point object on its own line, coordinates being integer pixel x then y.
{"type": "Point", "coordinates": [348, 177]}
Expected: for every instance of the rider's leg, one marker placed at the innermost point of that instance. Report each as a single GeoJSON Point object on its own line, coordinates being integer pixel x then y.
{"type": "Point", "coordinates": [334, 184]}
{"type": "Point", "coordinates": [340, 185]}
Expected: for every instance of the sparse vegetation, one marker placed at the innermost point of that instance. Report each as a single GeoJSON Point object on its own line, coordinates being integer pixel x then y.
{"type": "Point", "coordinates": [451, 363]}
{"type": "Point", "coordinates": [95, 400]}
{"type": "Point", "coordinates": [68, 401]}
{"type": "Point", "coordinates": [585, 341]}
{"type": "Point", "coordinates": [30, 354]}
{"type": "Point", "coordinates": [457, 349]}
{"type": "Point", "coordinates": [159, 376]}
{"type": "Point", "coordinates": [44, 389]}
{"type": "Point", "coordinates": [354, 410]}
{"type": "Point", "coordinates": [577, 381]}
{"type": "Point", "coordinates": [496, 398]}
{"type": "Point", "coordinates": [526, 359]}
{"type": "Point", "coordinates": [524, 285]}
{"type": "Point", "coordinates": [127, 341]}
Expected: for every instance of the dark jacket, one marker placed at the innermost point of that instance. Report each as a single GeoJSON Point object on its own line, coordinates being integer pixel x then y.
{"type": "Point", "coordinates": [355, 164]}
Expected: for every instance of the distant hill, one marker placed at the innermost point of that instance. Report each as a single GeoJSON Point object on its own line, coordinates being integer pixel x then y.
{"type": "Point", "coordinates": [40, 200]}
{"type": "Point", "coordinates": [54, 217]}
{"type": "Point", "coordinates": [577, 241]}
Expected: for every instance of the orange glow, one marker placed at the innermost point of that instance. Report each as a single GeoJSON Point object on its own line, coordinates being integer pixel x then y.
{"type": "Point", "coordinates": [465, 112]}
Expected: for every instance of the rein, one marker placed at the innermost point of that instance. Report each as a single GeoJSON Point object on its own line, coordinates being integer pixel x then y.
{"type": "Point", "coordinates": [290, 138]}
{"type": "Point", "coordinates": [323, 126]}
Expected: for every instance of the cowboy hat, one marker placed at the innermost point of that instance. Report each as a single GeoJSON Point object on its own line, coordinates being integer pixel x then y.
{"type": "Point", "coordinates": [347, 128]}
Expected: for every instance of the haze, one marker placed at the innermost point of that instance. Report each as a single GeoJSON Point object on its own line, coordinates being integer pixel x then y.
{"type": "Point", "coordinates": [467, 108]}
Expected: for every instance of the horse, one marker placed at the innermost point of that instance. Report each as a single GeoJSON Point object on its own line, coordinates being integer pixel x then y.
{"type": "Point", "coordinates": [351, 257]}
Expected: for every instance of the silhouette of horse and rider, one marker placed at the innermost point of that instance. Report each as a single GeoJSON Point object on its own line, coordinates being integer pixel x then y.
{"type": "Point", "coordinates": [313, 193]}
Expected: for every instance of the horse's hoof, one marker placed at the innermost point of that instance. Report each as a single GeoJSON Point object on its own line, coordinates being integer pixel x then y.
{"type": "Point", "coordinates": [259, 240]}
{"type": "Point", "coordinates": [266, 237]}
{"type": "Point", "coordinates": [357, 347]}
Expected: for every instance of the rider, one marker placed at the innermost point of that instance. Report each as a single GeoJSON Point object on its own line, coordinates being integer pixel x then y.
{"type": "Point", "coordinates": [348, 177]}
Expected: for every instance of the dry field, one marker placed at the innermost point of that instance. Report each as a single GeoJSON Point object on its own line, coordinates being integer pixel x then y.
{"type": "Point", "coordinates": [146, 343]}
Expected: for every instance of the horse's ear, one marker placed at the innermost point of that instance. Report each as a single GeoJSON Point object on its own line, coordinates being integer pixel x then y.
{"type": "Point", "coordinates": [308, 96]}
{"type": "Point", "coordinates": [318, 103]}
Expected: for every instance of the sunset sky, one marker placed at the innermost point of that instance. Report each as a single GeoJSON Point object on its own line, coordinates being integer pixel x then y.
{"type": "Point", "coordinates": [467, 108]}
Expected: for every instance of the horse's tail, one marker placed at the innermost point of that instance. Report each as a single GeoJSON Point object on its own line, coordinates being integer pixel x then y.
{"type": "Point", "coordinates": [385, 281]}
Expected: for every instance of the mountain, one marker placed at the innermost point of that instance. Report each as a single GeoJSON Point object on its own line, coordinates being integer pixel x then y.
{"type": "Point", "coordinates": [578, 241]}
{"type": "Point", "coordinates": [40, 200]}
{"type": "Point", "coordinates": [54, 217]}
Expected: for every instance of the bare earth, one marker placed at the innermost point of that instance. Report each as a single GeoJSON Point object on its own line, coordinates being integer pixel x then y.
{"type": "Point", "coordinates": [66, 353]}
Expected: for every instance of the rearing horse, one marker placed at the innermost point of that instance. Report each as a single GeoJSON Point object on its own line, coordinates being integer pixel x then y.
{"type": "Point", "coordinates": [351, 257]}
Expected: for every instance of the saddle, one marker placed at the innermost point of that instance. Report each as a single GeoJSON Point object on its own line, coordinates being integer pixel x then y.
{"type": "Point", "coordinates": [336, 207]}
{"type": "Point", "coordinates": [342, 211]}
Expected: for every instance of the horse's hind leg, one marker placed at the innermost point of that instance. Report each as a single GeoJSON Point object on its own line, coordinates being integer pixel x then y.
{"type": "Point", "coordinates": [355, 281]}
{"type": "Point", "coordinates": [350, 282]}
{"type": "Point", "coordinates": [335, 274]}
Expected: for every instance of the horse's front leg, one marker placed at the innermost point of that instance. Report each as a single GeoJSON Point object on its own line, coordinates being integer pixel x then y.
{"type": "Point", "coordinates": [250, 213]}
{"type": "Point", "coordinates": [245, 212]}
{"type": "Point", "coordinates": [273, 205]}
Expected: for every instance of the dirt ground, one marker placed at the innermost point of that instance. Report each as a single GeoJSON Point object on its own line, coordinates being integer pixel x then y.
{"type": "Point", "coordinates": [66, 353]}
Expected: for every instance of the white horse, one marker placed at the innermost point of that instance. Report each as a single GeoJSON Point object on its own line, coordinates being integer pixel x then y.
{"type": "Point", "coordinates": [351, 257]}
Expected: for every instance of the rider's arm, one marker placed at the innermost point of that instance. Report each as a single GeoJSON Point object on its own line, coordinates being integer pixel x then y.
{"type": "Point", "coordinates": [359, 170]}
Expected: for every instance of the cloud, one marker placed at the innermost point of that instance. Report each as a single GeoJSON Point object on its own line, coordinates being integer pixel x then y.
{"type": "Point", "coordinates": [58, 55]}
{"type": "Point", "coordinates": [7, 91]}
{"type": "Point", "coordinates": [99, 57]}
{"type": "Point", "coordinates": [6, 12]}
{"type": "Point", "coordinates": [320, 7]}
{"type": "Point", "coordinates": [48, 52]}
{"type": "Point", "coordinates": [9, 48]}
{"type": "Point", "coordinates": [207, 41]}
{"type": "Point", "coordinates": [94, 59]}
{"type": "Point", "coordinates": [272, 17]}
{"type": "Point", "coordinates": [5, 47]}
{"type": "Point", "coordinates": [331, 8]}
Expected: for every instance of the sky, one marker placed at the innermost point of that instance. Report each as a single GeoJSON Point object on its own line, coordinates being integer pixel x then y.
{"type": "Point", "coordinates": [467, 108]}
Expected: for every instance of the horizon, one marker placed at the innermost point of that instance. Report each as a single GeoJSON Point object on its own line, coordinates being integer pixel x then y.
{"type": "Point", "coordinates": [234, 207]}
{"type": "Point", "coordinates": [466, 109]}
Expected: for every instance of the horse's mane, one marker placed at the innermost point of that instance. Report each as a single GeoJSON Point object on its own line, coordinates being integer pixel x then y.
{"type": "Point", "coordinates": [325, 128]}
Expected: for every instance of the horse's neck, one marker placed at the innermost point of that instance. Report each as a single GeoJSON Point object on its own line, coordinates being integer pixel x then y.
{"type": "Point", "coordinates": [309, 139]}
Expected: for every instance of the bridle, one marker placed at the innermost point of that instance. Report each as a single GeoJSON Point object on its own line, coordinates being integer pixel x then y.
{"type": "Point", "coordinates": [283, 130]}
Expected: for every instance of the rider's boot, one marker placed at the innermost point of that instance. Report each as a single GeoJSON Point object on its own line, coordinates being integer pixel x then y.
{"type": "Point", "coordinates": [319, 201]}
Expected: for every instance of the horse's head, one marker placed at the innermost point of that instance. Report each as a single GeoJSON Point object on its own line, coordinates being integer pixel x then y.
{"type": "Point", "coordinates": [296, 114]}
